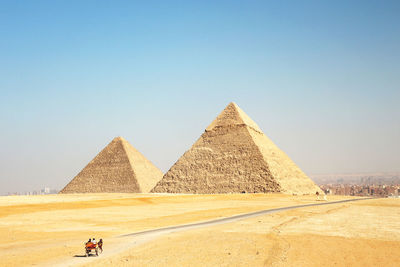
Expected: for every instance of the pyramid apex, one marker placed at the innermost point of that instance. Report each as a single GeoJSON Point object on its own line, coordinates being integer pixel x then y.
{"type": "Point", "coordinates": [233, 115]}
{"type": "Point", "coordinates": [232, 105]}
{"type": "Point", "coordinates": [119, 138]}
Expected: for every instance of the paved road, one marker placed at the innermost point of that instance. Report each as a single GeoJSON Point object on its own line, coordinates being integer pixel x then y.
{"type": "Point", "coordinates": [235, 218]}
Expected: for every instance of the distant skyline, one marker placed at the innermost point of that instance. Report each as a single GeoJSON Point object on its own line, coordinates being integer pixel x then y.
{"type": "Point", "coordinates": [321, 79]}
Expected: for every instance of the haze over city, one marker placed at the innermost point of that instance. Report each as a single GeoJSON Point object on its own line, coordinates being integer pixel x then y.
{"type": "Point", "coordinates": [320, 79]}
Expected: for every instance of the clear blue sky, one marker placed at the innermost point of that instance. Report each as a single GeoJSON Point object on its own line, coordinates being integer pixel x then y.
{"type": "Point", "coordinates": [321, 78]}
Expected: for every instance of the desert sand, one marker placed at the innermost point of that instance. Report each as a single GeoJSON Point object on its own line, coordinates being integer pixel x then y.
{"type": "Point", "coordinates": [51, 230]}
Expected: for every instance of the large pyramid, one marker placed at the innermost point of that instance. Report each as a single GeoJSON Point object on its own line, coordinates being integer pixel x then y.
{"type": "Point", "coordinates": [234, 156]}
{"type": "Point", "coordinates": [118, 168]}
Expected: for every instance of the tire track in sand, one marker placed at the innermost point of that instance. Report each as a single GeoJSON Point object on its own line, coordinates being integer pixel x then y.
{"type": "Point", "coordinates": [280, 246]}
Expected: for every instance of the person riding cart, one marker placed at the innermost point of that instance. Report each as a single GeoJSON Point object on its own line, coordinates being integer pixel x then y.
{"type": "Point", "coordinates": [90, 246]}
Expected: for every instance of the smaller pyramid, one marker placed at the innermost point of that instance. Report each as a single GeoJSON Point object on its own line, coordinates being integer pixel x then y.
{"type": "Point", "coordinates": [118, 168]}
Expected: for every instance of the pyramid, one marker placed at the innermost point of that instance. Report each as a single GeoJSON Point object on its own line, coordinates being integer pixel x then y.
{"type": "Point", "coordinates": [118, 168]}
{"type": "Point", "coordinates": [233, 155]}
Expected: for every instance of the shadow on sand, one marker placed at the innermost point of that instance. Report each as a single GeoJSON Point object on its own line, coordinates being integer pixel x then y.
{"type": "Point", "coordinates": [83, 256]}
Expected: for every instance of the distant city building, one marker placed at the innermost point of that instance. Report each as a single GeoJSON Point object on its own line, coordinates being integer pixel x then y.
{"type": "Point", "coordinates": [381, 190]}
{"type": "Point", "coordinates": [44, 191]}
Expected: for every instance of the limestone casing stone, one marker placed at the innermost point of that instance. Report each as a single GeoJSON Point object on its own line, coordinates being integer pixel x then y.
{"type": "Point", "coordinates": [234, 156]}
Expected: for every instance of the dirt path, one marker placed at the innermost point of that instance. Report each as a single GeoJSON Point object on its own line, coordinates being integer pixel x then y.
{"type": "Point", "coordinates": [124, 242]}
{"type": "Point", "coordinates": [235, 218]}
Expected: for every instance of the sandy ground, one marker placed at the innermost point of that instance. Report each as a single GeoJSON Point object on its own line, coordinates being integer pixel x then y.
{"type": "Point", "coordinates": [363, 233]}
{"type": "Point", "coordinates": [51, 230]}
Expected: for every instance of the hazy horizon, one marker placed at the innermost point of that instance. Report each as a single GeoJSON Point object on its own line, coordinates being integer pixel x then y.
{"type": "Point", "coordinates": [322, 80]}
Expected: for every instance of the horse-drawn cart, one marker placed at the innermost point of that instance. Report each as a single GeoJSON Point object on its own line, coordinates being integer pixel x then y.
{"type": "Point", "coordinates": [90, 247]}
